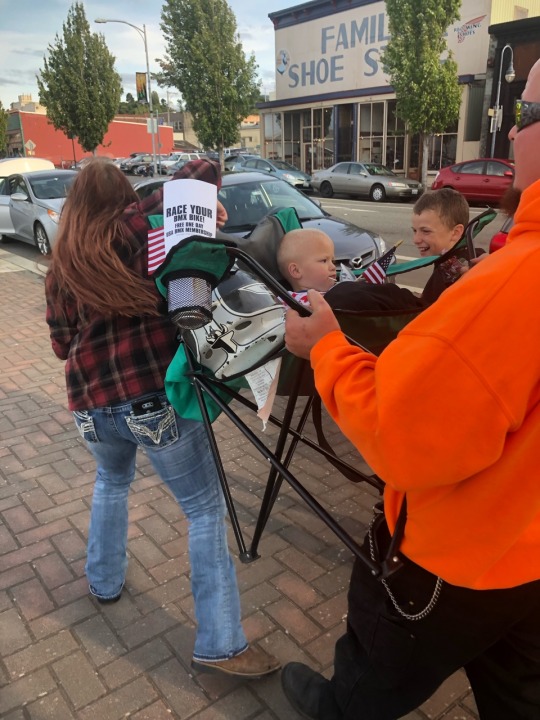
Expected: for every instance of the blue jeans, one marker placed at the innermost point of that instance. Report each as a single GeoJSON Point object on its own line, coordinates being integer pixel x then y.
{"type": "Point", "coordinates": [179, 452]}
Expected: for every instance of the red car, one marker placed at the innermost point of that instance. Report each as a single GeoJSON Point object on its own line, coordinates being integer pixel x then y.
{"type": "Point", "coordinates": [499, 239]}
{"type": "Point", "coordinates": [483, 180]}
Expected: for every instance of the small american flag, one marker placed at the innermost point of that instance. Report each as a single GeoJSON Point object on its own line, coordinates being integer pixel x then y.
{"type": "Point", "coordinates": [156, 248]}
{"type": "Point", "coordinates": [376, 272]}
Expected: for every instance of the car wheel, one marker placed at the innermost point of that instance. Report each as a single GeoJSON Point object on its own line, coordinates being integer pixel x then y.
{"type": "Point", "coordinates": [41, 239]}
{"type": "Point", "coordinates": [326, 190]}
{"type": "Point", "coordinates": [377, 193]}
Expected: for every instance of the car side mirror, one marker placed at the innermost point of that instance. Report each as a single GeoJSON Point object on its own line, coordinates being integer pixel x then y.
{"type": "Point", "coordinates": [20, 197]}
{"type": "Point", "coordinates": [508, 173]}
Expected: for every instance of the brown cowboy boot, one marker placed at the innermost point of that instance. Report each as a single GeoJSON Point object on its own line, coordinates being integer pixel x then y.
{"type": "Point", "coordinates": [251, 664]}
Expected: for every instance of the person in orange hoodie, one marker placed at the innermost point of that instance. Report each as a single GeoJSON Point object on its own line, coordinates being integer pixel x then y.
{"type": "Point", "coordinates": [449, 417]}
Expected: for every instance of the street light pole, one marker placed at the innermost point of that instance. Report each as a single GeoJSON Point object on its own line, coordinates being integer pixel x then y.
{"type": "Point", "coordinates": [168, 109]}
{"type": "Point", "coordinates": [153, 122]}
{"type": "Point", "coordinates": [509, 76]}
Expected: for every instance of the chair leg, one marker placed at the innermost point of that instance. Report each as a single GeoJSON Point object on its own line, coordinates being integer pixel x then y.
{"type": "Point", "coordinates": [275, 478]}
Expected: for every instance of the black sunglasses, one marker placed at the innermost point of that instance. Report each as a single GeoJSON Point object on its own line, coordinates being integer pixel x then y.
{"type": "Point", "coordinates": [526, 113]}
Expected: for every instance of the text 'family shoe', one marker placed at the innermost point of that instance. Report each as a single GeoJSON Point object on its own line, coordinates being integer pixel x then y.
{"type": "Point", "coordinates": [303, 688]}
{"type": "Point", "coordinates": [252, 664]}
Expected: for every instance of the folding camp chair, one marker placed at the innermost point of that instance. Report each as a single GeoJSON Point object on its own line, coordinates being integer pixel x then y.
{"type": "Point", "coordinates": [212, 395]}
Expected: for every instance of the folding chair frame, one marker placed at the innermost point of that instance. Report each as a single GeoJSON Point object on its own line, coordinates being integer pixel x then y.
{"type": "Point", "coordinates": [280, 458]}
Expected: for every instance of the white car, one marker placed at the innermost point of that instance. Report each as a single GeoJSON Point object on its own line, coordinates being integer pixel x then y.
{"type": "Point", "coordinates": [9, 166]}
{"type": "Point", "coordinates": [177, 157]}
{"type": "Point", "coordinates": [30, 205]}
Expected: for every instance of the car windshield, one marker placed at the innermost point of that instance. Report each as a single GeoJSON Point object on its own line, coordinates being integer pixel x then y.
{"type": "Point", "coordinates": [248, 202]}
{"type": "Point", "coordinates": [282, 165]}
{"type": "Point", "coordinates": [53, 186]}
{"type": "Point", "coordinates": [376, 169]}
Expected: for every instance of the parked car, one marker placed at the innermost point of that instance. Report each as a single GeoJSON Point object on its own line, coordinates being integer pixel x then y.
{"type": "Point", "coordinates": [132, 164]}
{"type": "Point", "coordinates": [280, 169]}
{"type": "Point", "coordinates": [482, 180]}
{"type": "Point", "coordinates": [233, 163]}
{"type": "Point", "coordinates": [146, 187]}
{"type": "Point", "coordinates": [10, 166]}
{"type": "Point", "coordinates": [371, 180]}
{"type": "Point", "coordinates": [145, 170]}
{"type": "Point", "coordinates": [176, 157]}
{"type": "Point", "coordinates": [30, 205]}
{"type": "Point", "coordinates": [248, 197]}
{"type": "Point", "coordinates": [80, 163]}
{"type": "Point", "coordinates": [171, 169]}
{"type": "Point", "coordinates": [499, 239]}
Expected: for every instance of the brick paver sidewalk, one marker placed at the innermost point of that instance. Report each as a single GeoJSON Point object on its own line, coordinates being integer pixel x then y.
{"type": "Point", "coordinates": [62, 655]}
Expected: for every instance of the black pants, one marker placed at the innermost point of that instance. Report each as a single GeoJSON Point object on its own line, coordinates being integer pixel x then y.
{"type": "Point", "coordinates": [386, 665]}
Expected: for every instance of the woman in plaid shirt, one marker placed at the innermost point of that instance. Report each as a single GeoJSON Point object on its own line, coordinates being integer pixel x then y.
{"type": "Point", "coordinates": [107, 322]}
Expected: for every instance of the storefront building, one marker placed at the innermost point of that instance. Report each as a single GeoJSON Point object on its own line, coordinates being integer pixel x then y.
{"type": "Point", "coordinates": [517, 42]}
{"type": "Point", "coordinates": [335, 103]}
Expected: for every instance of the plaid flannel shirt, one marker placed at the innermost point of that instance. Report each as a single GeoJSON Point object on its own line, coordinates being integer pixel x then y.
{"type": "Point", "coordinates": [115, 359]}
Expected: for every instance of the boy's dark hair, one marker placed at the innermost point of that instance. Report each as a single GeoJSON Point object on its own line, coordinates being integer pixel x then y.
{"type": "Point", "coordinates": [449, 204]}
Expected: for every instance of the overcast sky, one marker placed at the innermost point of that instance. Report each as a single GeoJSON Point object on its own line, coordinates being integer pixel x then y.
{"type": "Point", "coordinates": [28, 26]}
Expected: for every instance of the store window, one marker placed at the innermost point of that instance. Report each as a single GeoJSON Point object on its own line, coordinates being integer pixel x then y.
{"type": "Point", "coordinates": [395, 139]}
{"type": "Point", "coordinates": [473, 120]}
{"type": "Point", "coordinates": [272, 136]}
{"type": "Point", "coordinates": [442, 149]}
{"type": "Point", "coordinates": [322, 138]}
{"type": "Point", "coordinates": [291, 138]}
{"type": "Point", "coordinates": [305, 138]}
{"type": "Point", "coordinates": [328, 137]}
{"type": "Point", "coordinates": [371, 132]}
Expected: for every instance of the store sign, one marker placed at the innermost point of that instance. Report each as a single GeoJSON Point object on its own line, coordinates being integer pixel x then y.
{"type": "Point", "coordinates": [343, 51]}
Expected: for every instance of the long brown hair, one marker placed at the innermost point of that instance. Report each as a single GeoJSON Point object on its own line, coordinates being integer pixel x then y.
{"type": "Point", "coordinates": [86, 259]}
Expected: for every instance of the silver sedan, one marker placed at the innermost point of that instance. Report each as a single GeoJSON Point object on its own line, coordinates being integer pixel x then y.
{"type": "Point", "coordinates": [371, 180]}
{"type": "Point", "coordinates": [30, 205]}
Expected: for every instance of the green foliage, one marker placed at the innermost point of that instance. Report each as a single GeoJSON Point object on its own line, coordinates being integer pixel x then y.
{"type": "Point", "coordinates": [130, 106]}
{"type": "Point", "coordinates": [205, 61]}
{"type": "Point", "coordinates": [78, 84]}
{"type": "Point", "coordinates": [3, 129]}
{"type": "Point", "coordinates": [155, 100]}
{"type": "Point", "coordinates": [421, 69]}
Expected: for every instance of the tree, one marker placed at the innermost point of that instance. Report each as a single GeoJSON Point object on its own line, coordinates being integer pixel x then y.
{"type": "Point", "coordinates": [79, 85]}
{"type": "Point", "coordinates": [155, 100]}
{"type": "Point", "coordinates": [130, 106]}
{"type": "Point", "coordinates": [205, 61]}
{"type": "Point", "coordinates": [3, 130]}
{"type": "Point", "coordinates": [421, 68]}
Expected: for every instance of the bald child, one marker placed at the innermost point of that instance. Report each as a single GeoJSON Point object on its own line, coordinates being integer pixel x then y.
{"type": "Point", "coordinates": [306, 260]}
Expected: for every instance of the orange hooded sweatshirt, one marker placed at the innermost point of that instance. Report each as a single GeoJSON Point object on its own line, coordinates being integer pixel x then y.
{"type": "Point", "coordinates": [450, 415]}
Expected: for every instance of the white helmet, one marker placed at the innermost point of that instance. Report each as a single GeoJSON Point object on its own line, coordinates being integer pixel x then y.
{"type": "Point", "coordinates": [247, 327]}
